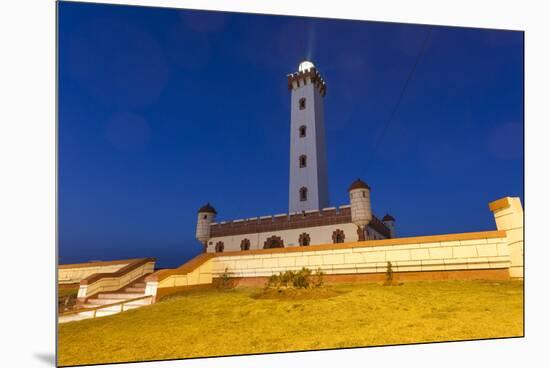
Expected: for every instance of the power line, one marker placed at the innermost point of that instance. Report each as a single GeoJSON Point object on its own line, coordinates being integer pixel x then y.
{"type": "Point", "coordinates": [405, 85]}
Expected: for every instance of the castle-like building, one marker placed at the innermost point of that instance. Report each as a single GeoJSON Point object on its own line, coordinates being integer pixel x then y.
{"type": "Point", "coordinates": [310, 219]}
{"type": "Point", "coordinates": [249, 243]}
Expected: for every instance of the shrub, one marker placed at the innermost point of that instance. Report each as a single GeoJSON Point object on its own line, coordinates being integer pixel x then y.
{"type": "Point", "coordinates": [295, 279]}
{"type": "Point", "coordinates": [286, 278]}
{"type": "Point", "coordinates": [225, 281]}
{"type": "Point", "coordinates": [66, 299]}
{"type": "Point", "coordinates": [274, 281]}
{"type": "Point", "coordinates": [318, 282]}
{"type": "Point", "coordinates": [301, 278]}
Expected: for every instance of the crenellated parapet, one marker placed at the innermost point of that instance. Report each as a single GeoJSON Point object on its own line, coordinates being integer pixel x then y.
{"type": "Point", "coordinates": [288, 221]}
{"type": "Point", "coordinates": [303, 77]}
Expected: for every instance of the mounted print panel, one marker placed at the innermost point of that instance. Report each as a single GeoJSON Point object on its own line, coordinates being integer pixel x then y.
{"type": "Point", "coordinates": [235, 184]}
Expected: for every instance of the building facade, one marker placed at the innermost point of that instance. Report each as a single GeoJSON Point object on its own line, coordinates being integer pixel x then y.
{"type": "Point", "coordinates": [310, 219]}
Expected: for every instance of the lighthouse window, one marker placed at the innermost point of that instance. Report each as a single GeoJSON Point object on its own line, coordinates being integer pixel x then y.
{"type": "Point", "coordinates": [303, 194]}
{"type": "Point", "coordinates": [219, 247]}
{"type": "Point", "coordinates": [204, 217]}
{"type": "Point", "coordinates": [302, 103]}
{"type": "Point", "coordinates": [303, 161]}
{"type": "Point", "coordinates": [302, 131]}
{"type": "Point", "coordinates": [364, 194]}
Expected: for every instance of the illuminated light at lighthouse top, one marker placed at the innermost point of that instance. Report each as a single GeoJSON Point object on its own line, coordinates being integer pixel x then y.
{"type": "Point", "coordinates": [305, 65]}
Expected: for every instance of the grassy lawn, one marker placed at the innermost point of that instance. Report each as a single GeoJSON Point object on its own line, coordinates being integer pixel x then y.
{"type": "Point", "coordinates": [211, 322]}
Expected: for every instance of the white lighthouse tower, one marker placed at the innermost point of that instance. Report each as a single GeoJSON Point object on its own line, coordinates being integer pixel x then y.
{"type": "Point", "coordinates": [308, 184]}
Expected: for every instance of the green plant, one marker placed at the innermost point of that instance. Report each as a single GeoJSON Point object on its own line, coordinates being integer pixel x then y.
{"type": "Point", "coordinates": [274, 281]}
{"type": "Point", "coordinates": [389, 274]}
{"type": "Point", "coordinates": [225, 281]}
{"type": "Point", "coordinates": [318, 281]}
{"type": "Point", "coordinates": [67, 298]}
{"type": "Point", "coordinates": [301, 278]}
{"type": "Point", "coordinates": [295, 279]}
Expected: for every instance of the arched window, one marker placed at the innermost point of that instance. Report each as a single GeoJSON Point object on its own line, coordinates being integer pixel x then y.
{"type": "Point", "coordinates": [219, 247]}
{"type": "Point", "coordinates": [302, 103]}
{"type": "Point", "coordinates": [302, 160]}
{"type": "Point", "coordinates": [304, 239]}
{"type": "Point", "coordinates": [338, 236]}
{"type": "Point", "coordinates": [274, 242]}
{"type": "Point", "coordinates": [302, 131]}
{"type": "Point", "coordinates": [303, 194]}
{"type": "Point", "coordinates": [245, 244]}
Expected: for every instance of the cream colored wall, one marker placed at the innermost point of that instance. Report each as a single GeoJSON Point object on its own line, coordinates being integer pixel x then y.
{"type": "Point", "coordinates": [483, 253]}
{"type": "Point", "coordinates": [74, 275]}
{"type": "Point", "coordinates": [114, 283]}
{"type": "Point", "coordinates": [509, 217]}
{"type": "Point", "coordinates": [318, 235]}
{"type": "Point", "coordinates": [200, 275]}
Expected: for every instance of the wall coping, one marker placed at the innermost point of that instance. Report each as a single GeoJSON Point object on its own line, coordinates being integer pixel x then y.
{"type": "Point", "coordinates": [96, 264]}
{"type": "Point", "coordinates": [184, 269]}
{"type": "Point", "coordinates": [500, 204]}
{"type": "Point", "coordinates": [121, 272]}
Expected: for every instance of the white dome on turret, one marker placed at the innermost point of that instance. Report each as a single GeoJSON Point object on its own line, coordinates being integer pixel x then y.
{"type": "Point", "coordinates": [305, 65]}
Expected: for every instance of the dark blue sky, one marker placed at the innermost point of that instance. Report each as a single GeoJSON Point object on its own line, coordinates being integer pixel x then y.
{"type": "Point", "coordinates": [161, 110]}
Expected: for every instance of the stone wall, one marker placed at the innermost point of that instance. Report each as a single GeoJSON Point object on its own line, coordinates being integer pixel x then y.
{"type": "Point", "coordinates": [466, 251]}
{"type": "Point", "coordinates": [200, 275]}
{"type": "Point", "coordinates": [73, 273]}
{"type": "Point", "coordinates": [508, 214]}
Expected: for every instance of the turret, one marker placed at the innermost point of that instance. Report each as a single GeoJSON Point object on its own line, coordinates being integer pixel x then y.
{"type": "Point", "coordinates": [361, 213]}
{"type": "Point", "coordinates": [389, 221]}
{"type": "Point", "coordinates": [206, 216]}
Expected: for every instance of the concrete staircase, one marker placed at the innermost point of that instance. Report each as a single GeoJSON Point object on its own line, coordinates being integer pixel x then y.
{"type": "Point", "coordinates": [114, 302]}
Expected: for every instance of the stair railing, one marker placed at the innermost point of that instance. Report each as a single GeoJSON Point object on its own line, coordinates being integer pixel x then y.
{"type": "Point", "coordinates": [111, 281]}
{"type": "Point", "coordinates": [95, 309]}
